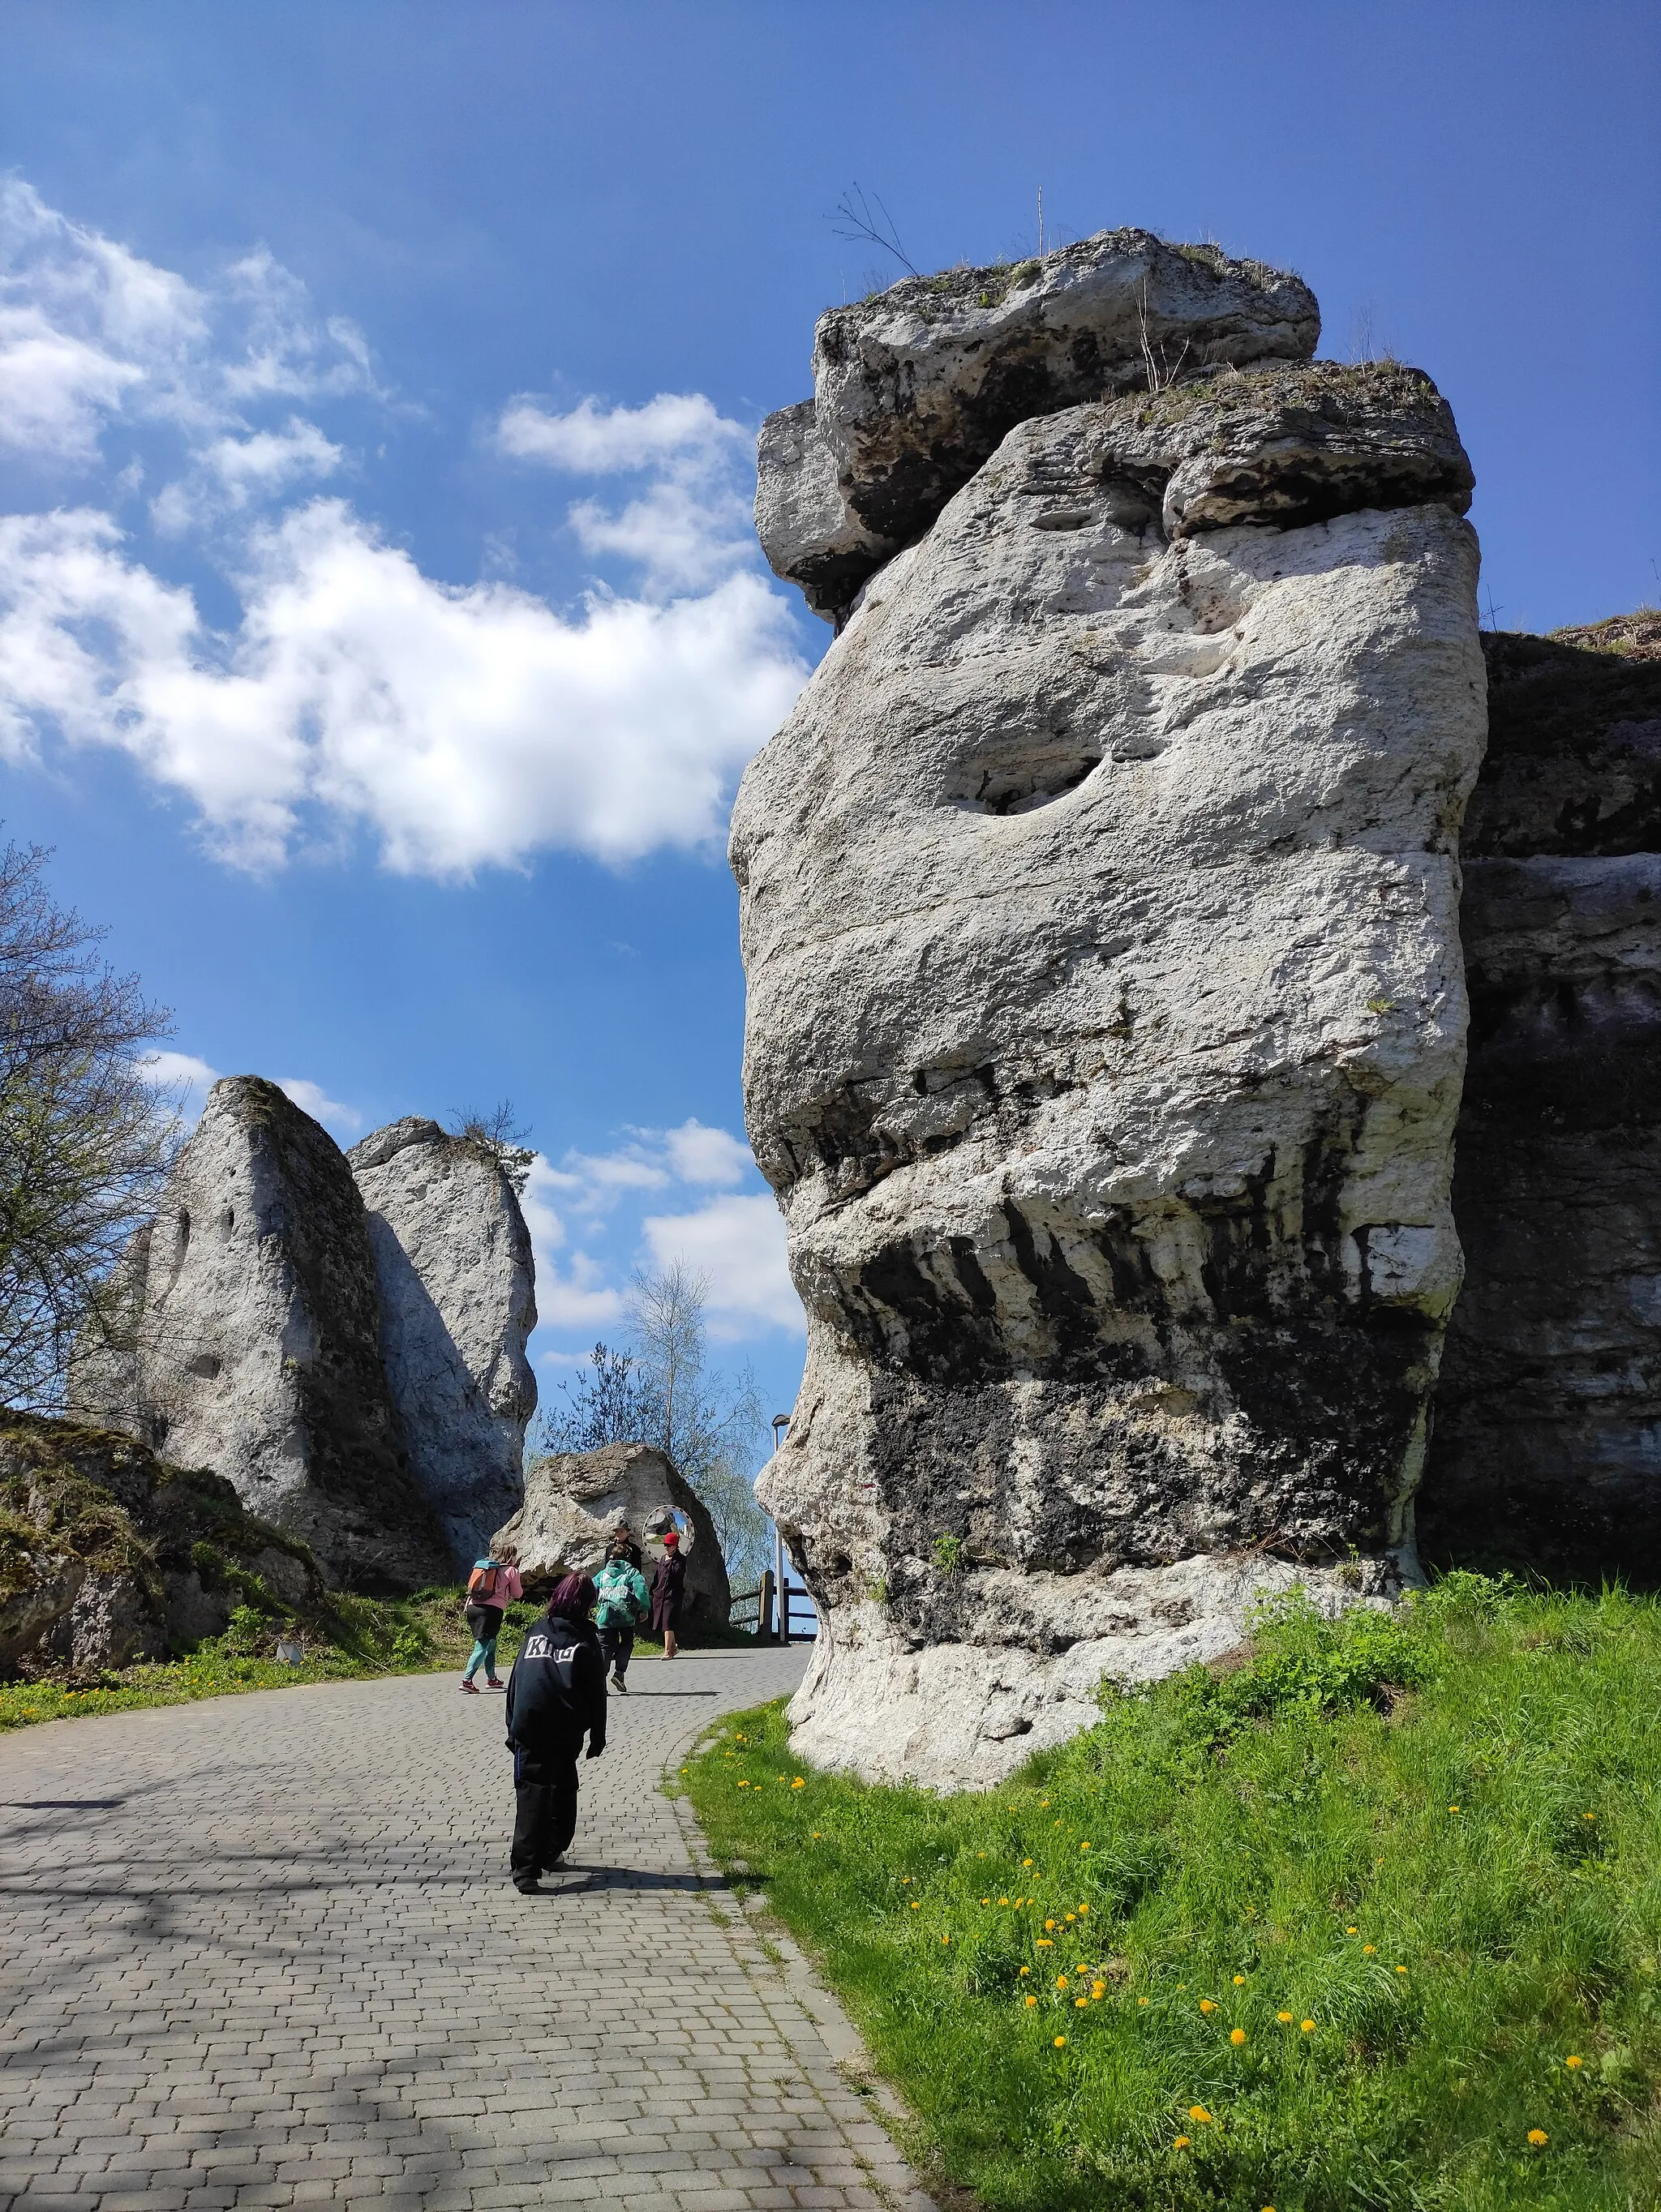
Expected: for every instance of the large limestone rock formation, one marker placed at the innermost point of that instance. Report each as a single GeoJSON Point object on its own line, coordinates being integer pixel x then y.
{"type": "Point", "coordinates": [1105, 1036]}
{"type": "Point", "coordinates": [254, 1341]}
{"type": "Point", "coordinates": [915, 387]}
{"type": "Point", "coordinates": [458, 1302]}
{"type": "Point", "coordinates": [573, 1501]}
{"type": "Point", "coordinates": [1548, 1414]}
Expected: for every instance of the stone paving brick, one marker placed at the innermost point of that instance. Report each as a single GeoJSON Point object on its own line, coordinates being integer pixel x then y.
{"type": "Point", "coordinates": [262, 1952]}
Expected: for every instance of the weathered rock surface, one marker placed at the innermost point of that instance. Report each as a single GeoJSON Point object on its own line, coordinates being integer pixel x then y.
{"type": "Point", "coordinates": [458, 1302]}
{"type": "Point", "coordinates": [915, 387]}
{"type": "Point", "coordinates": [109, 1555]}
{"type": "Point", "coordinates": [1547, 1447]}
{"type": "Point", "coordinates": [255, 1342]}
{"type": "Point", "coordinates": [575, 1500]}
{"type": "Point", "coordinates": [1104, 1044]}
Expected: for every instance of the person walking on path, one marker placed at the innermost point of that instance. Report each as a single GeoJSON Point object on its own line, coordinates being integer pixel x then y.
{"type": "Point", "coordinates": [555, 1694]}
{"type": "Point", "coordinates": [620, 1588]}
{"type": "Point", "coordinates": [492, 1587]}
{"type": "Point", "coordinates": [668, 1591]}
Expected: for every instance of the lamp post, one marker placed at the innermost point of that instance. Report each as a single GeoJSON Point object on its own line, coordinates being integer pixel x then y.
{"type": "Point", "coordinates": [781, 1421]}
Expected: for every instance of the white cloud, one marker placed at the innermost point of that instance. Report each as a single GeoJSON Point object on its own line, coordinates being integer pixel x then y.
{"type": "Point", "coordinates": [692, 524]}
{"type": "Point", "coordinates": [737, 1243]}
{"type": "Point", "coordinates": [312, 1098]}
{"type": "Point", "coordinates": [574, 1297]}
{"type": "Point", "coordinates": [591, 440]}
{"type": "Point", "coordinates": [461, 726]}
{"type": "Point", "coordinates": [700, 1154]}
{"type": "Point", "coordinates": [189, 1080]}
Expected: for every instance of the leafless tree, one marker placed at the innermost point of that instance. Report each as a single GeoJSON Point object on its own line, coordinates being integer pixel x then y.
{"type": "Point", "coordinates": [85, 1138]}
{"type": "Point", "coordinates": [852, 218]}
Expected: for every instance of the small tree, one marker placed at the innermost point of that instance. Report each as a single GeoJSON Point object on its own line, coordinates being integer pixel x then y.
{"type": "Point", "coordinates": [662, 1392]}
{"type": "Point", "coordinates": [496, 1136]}
{"type": "Point", "coordinates": [85, 1140]}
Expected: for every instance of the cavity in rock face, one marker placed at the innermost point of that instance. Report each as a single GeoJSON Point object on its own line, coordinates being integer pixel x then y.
{"type": "Point", "coordinates": [1105, 1036]}
{"type": "Point", "coordinates": [1549, 1403]}
{"type": "Point", "coordinates": [255, 1341]}
{"type": "Point", "coordinates": [458, 1301]}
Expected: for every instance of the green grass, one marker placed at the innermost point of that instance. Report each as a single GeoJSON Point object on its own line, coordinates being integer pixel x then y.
{"type": "Point", "coordinates": [1411, 1861]}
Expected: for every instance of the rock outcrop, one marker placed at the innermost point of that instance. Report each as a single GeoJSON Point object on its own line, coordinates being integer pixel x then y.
{"type": "Point", "coordinates": [1106, 1028]}
{"type": "Point", "coordinates": [109, 1556]}
{"type": "Point", "coordinates": [575, 1500]}
{"type": "Point", "coordinates": [252, 1342]}
{"type": "Point", "coordinates": [915, 387]}
{"type": "Point", "coordinates": [1545, 1451]}
{"type": "Point", "coordinates": [458, 1302]}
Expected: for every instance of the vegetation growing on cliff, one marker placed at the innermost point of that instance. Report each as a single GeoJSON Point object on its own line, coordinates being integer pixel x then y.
{"type": "Point", "coordinates": [1371, 1920]}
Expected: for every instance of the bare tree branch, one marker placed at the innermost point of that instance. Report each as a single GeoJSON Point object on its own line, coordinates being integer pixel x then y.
{"type": "Point", "coordinates": [852, 219]}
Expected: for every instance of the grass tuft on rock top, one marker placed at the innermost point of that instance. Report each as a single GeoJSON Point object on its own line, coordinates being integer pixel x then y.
{"type": "Point", "coordinates": [1371, 1921]}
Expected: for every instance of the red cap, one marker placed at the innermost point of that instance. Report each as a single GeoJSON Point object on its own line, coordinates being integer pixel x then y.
{"type": "Point", "coordinates": [671, 1536]}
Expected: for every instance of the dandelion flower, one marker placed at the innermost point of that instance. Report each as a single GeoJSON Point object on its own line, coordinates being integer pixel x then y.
{"type": "Point", "coordinates": [1206, 2005]}
{"type": "Point", "coordinates": [1049, 1925]}
{"type": "Point", "coordinates": [1240, 1981]}
{"type": "Point", "coordinates": [916, 1906]}
{"type": "Point", "coordinates": [1368, 1949]}
{"type": "Point", "coordinates": [1061, 2041]}
{"type": "Point", "coordinates": [816, 1839]}
{"type": "Point", "coordinates": [798, 1783]}
{"type": "Point", "coordinates": [1026, 1969]}
{"type": "Point", "coordinates": [1032, 2001]}
{"type": "Point", "coordinates": [1182, 2143]}
{"type": "Point", "coordinates": [946, 1939]}
{"type": "Point", "coordinates": [1236, 2036]}
{"type": "Point", "coordinates": [1071, 1915]}
{"type": "Point", "coordinates": [1401, 1970]}
{"type": "Point", "coordinates": [1080, 2004]}
{"type": "Point", "coordinates": [1351, 1931]}
{"type": "Point", "coordinates": [1043, 1943]}
{"type": "Point", "coordinates": [1083, 1910]}
{"type": "Point", "coordinates": [986, 1900]}
{"type": "Point", "coordinates": [1026, 1862]}
{"type": "Point", "coordinates": [1003, 1901]}
{"type": "Point", "coordinates": [1589, 1816]}
{"type": "Point", "coordinates": [1283, 2015]}
{"type": "Point", "coordinates": [1060, 1981]}
{"type": "Point", "coordinates": [1141, 2000]}
{"type": "Point", "coordinates": [1307, 2025]}
{"type": "Point", "coordinates": [1084, 1847]}
{"type": "Point", "coordinates": [1198, 2113]}
{"type": "Point", "coordinates": [1453, 1808]}
{"type": "Point", "coordinates": [1573, 2060]}
{"type": "Point", "coordinates": [1538, 2137]}
{"type": "Point", "coordinates": [1099, 1990]}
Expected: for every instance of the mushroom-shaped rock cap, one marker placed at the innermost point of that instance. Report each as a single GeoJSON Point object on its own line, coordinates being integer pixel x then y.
{"type": "Point", "coordinates": [915, 387]}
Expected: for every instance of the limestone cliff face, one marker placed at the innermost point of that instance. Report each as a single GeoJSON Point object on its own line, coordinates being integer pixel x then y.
{"type": "Point", "coordinates": [1544, 1452]}
{"type": "Point", "coordinates": [254, 1343]}
{"type": "Point", "coordinates": [458, 1302]}
{"type": "Point", "coordinates": [1105, 1036]}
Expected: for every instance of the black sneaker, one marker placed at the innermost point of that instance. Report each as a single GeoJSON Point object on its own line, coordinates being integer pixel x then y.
{"type": "Point", "coordinates": [617, 1683]}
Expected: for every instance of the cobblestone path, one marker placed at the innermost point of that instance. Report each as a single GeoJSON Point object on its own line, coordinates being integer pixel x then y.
{"type": "Point", "coordinates": [262, 1951]}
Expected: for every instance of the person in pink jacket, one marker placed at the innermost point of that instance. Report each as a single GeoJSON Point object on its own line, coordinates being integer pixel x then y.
{"type": "Point", "coordinates": [492, 1587]}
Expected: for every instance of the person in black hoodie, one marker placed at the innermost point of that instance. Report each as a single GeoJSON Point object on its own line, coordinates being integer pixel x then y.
{"type": "Point", "coordinates": [555, 1694]}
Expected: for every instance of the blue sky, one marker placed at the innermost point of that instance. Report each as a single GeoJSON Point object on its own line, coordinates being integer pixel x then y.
{"type": "Point", "coordinates": [380, 638]}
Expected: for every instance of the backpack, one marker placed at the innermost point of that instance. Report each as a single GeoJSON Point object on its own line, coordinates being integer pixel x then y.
{"type": "Point", "coordinates": [484, 1583]}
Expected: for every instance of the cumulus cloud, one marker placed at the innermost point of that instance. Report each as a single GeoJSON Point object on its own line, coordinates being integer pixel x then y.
{"type": "Point", "coordinates": [572, 1292]}
{"type": "Point", "coordinates": [737, 1243]}
{"type": "Point", "coordinates": [190, 1079]}
{"type": "Point", "coordinates": [461, 726]}
{"type": "Point", "coordinates": [312, 1098]}
{"type": "Point", "coordinates": [700, 1154]}
{"type": "Point", "coordinates": [455, 725]}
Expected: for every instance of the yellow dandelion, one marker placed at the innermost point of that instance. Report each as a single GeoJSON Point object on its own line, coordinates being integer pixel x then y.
{"type": "Point", "coordinates": [1026, 1969]}
{"type": "Point", "coordinates": [1182, 2143]}
{"type": "Point", "coordinates": [1351, 1931]}
{"type": "Point", "coordinates": [1083, 1910]}
{"type": "Point", "coordinates": [1061, 2042]}
{"type": "Point", "coordinates": [1080, 2004]}
{"type": "Point", "coordinates": [1206, 2005]}
{"type": "Point", "coordinates": [816, 1839]}
{"type": "Point", "coordinates": [1099, 1990]}
{"type": "Point", "coordinates": [1032, 2001]}
{"type": "Point", "coordinates": [1049, 1924]}
{"type": "Point", "coordinates": [1573, 2060]}
{"type": "Point", "coordinates": [1401, 1970]}
{"type": "Point", "coordinates": [1538, 2137]}
{"type": "Point", "coordinates": [946, 1939]}
{"type": "Point", "coordinates": [1236, 2036]}
{"type": "Point", "coordinates": [1026, 1862]}
{"type": "Point", "coordinates": [1060, 1981]}
{"type": "Point", "coordinates": [1043, 1943]}
{"type": "Point", "coordinates": [1589, 1816]}
{"type": "Point", "coordinates": [1453, 1808]}
{"type": "Point", "coordinates": [1240, 1981]}
{"type": "Point", "coordinates": [1283, 2015]}
{"type": "Point", "coordinates": [1141, 2000]}
{"type": "Point", "coordinates": [1368, 1949]}
{"type": "Point", "coordinates": [1043, 1804]}
{"type": "Point", "coordinates": [1198, 2113]}
{"type": "Point", "coordinates": [1071, 1915]}
{"type": "Point", "coordinates": [1084, 1847]}
{"type": "Point", "coordinates": [1003, 1901]}
{"type": "Point", "coordinates": [986, 1900]}
{"type": "Point", "coordinates": [1307, 2026]}
{"type": "Point", "coordinates": [916, 1906]}
{"type": "Point", "coordinates": [798, 1783]}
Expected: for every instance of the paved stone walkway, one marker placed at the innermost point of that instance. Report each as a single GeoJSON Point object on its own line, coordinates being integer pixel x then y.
{"type": "Point", "coordinates": [262, 1951]}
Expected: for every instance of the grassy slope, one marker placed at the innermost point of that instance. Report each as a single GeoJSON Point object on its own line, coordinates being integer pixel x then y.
{"type": "Point", "coordinates": [1054, 1973]}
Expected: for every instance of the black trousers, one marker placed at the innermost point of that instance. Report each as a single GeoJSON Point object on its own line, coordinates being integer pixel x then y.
{"type": "Point", "coordinates": [547, 1817]}
{"type": "Point", "coordinates": [617, 1646]}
